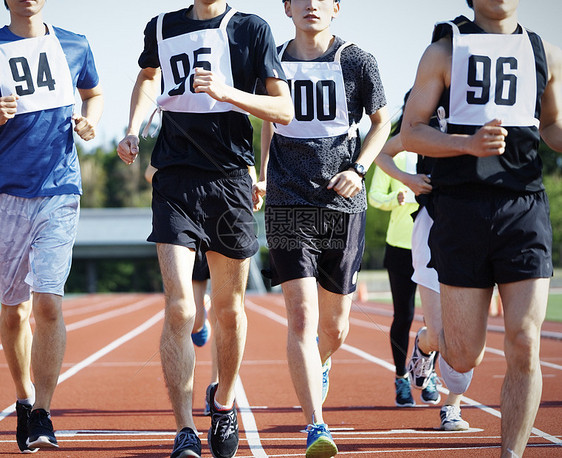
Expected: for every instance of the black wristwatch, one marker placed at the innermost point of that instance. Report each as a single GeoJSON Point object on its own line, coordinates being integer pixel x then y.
{"type": "Point", "coordinates": [359, 169]}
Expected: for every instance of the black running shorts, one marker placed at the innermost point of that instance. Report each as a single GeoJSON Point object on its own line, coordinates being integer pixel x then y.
{"type": "Point", "coordinates": [485, 237]}
{"type": "Point", "coordinates": [315, 242]}
{"type": "Point", "coordinates": [205, 211]}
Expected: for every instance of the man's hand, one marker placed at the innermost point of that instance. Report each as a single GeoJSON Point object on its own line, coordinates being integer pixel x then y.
{"type": "Point", "coordinates": [83, 127]}
{"type": "Point", "coordinates": [204, 81]}
{"type": "Point", "coordinates": [258, 192]}
{"type": "Point", "coordinates": [489, 140]}
{"type": "Point", "coordinates": [128, 149]}
{"type": "Point", "coordinates": [8, 108]}
{"type": "Point", "coordinates": [419, 184]}
{"type": "Point", "coordinates": [347, 184]}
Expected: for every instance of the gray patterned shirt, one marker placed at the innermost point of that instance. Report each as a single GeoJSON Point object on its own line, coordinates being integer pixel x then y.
{"type": "Point", "coordinates": [300, 169]}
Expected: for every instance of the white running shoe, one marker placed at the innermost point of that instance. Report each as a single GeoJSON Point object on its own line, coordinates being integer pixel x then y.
{"type": "Point", "coordinates": [420, 367]}
{"type": "Point", "coordinates": [451, 419]}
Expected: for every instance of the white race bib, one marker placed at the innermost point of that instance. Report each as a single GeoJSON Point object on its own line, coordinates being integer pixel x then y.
{"type": "Point", "coordinates": [493, 76]}
{"type": "Point", "coordinates": [207, 49]}
{"type": "Point", "coordinates": [36, 70]}
{"type": "Point", "coordinates": [318, 92]}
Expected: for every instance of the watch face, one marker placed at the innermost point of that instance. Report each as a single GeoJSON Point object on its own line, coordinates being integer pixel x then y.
{"type": "Point", "coordinates": [359, 169]}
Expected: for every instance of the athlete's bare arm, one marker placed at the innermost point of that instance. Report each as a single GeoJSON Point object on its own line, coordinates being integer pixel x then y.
{"type": "Point", "coordinates": [277, 106]}
{"type": "Point", "coordinates": [551, 112]}
{"type": "Point", "coordinates": [433, 77]}
{"type": "Point", "coordinates": [259, 188]}
{"type": "Point", "coordinates": [92, 108]}
{"type": "Point", "coordinates": [147, 88]}
{"type": "Point", "coordinates": [417, 182]}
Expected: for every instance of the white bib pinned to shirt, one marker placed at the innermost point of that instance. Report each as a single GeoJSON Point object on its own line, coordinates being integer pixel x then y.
{"type": "Point", "coordinates": [180, 55]}
{"type": "Point", "coordinates": [36, 70]}
{"type": "Point", "coordinates": [318, 91]}
{"type": "Point", "coordinates": [493, 76]}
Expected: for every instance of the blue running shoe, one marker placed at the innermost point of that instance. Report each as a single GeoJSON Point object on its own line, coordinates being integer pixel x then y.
{"type": "Point", "coordinates": [319, 443]}
{"type": "Point", "coordinates": [202, 336]}
{"type": "Point", "coordinates": [326, 378]}
{"type": "Point", "coordinates": [429, 394]}
{"type": "Point", "coordinates": [403, 392]}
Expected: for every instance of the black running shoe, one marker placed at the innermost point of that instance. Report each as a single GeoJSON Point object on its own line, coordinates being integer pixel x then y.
{"type": "Point", "coordinates": [223, 435]}
{"type": "Point", "coordinates": [186, 444]}
{"type": "Point", "coordinates": [23, 411]}
{"type": "Point", "coordinates": [41, 434]}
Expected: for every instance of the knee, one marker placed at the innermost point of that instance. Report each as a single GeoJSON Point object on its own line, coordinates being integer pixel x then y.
{"type": "Point", "coordinates": [336, 331]}
{"type": "Point", "coordinates": [522, 350]}
{"type": "Point", "coordinates": [229, 314]}
{"type": "Point", "coordinates": [14, 316]}
{"type": "Point", "coordinates": [47, 308]}
{"type": "Point", "coordinates": [179, 312]}
{"type": "Point", "coordinates": [462, 358]}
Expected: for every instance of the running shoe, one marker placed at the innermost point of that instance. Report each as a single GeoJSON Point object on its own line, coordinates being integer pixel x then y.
{"type": "Point", "coordinates": [429, 394]}
{"type": "Point", "coordinates": [421, 367]}
{"type": "Point", "coordinates": [319, 443]}
{"type": "Point", "coordinates": [326, 378]}
{"type": "Point", "coordinates": [403, 393]}
{"type": "Point", "coordinates": [451, 419]}
{"type": "Point", "coordinates": [23, 412]}
{"type": "Point", "coordinates": [223, 435]}
{"type": "Point", "coordinates": [202, 336]}
{"type": "Point", "coordinates": [186, 444]}
{"type": "Point", "coordinates": [41, 434]}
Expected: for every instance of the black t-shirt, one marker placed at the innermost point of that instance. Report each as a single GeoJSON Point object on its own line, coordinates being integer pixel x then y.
{"type": "Point", "coordinates": [213, 141]}
{"type": "Point", "coordinates": [519, 169]}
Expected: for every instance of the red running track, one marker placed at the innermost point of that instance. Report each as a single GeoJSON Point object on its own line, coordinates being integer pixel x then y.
{"type": "Point", "coordinates": [111, 400]}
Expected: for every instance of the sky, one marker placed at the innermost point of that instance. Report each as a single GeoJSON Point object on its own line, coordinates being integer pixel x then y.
{"type": "Point", "coordinates": [396, 32]}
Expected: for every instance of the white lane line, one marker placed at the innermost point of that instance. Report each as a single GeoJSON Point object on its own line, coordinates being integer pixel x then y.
{"type": "Point", "coordinates": [250, 426]}
{"type": "Point", "coordinates": [111, 314]}
{"type": "Point", "coordinates": [367, 356]}
{"type": "Point", "coordinates": [97, 355]}
{"type": "Point", "coordinates": [107, 315]}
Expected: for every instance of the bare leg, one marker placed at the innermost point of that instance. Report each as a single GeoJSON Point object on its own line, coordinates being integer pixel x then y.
{"type": "Point", "coordinates": [228, 280]}
{"type": "Point", "coordinates": [214, 367]}
{"type": "Point", "coordinates": [464, 313]}
{"type": "Point", "coordinates": [303, 356]}
{"type": "Point", "coordinates": [16, 340]}
{"type": "Point", "coordinates": [428, 337]}
{"type": "Point", "coordinates": [199, 288]}
{"type": "Point", "coordinates": [524, 305]}
{"type": "Point", "coordinates": [176, 348]}
{"type": "Point", "coordinates": [333, 324]}
{"type": "Point", "coordinates": [47, 350]}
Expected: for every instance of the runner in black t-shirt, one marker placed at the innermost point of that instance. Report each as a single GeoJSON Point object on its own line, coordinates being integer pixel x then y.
{"type": "Point", "coordinates": [210, 58]}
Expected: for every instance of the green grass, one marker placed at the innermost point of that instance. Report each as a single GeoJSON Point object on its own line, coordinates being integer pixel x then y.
{"type": "Point", "coordinates": [554, 310]}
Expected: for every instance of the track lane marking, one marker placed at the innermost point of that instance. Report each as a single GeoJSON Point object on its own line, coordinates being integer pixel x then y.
{"type": "Point", "coordinates": [367, 356]}
{"type": "Point", "coordinates": [97, 355]}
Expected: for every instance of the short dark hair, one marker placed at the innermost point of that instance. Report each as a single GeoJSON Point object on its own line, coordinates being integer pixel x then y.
{"type": "Point", "coordinates": [469, 3]}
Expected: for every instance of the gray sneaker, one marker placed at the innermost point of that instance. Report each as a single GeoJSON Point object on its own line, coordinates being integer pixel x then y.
{"type": "Point", "coordinates": [421, 367]}
{"type": "Point", "coordinates": [451, 419]}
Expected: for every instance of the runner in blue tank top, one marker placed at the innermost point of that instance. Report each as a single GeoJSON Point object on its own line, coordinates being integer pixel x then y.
{"type": "Point", "coordinates": [500, 88]}
{"type": "Point", "coordinates": [41, 66]}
